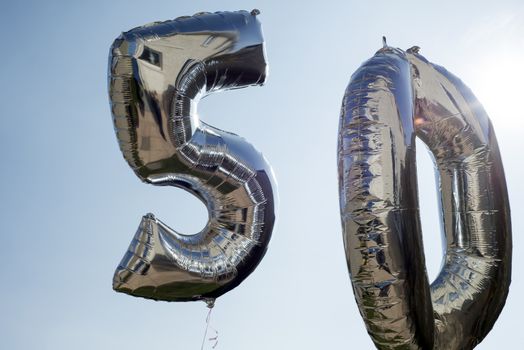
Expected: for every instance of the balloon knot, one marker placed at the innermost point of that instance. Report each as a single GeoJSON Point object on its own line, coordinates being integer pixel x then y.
{"type": "Point", "coordinates": [210, 302]}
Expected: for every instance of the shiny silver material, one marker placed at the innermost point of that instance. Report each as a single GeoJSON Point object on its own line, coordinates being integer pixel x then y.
{"type": "Point", "coordinates": [157, 75]}
{"type": "Point", "coordinates": [391, 99]}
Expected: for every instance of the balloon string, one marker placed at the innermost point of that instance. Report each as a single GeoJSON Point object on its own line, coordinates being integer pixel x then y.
{"type": "Point", "coordinates": [215, 337]}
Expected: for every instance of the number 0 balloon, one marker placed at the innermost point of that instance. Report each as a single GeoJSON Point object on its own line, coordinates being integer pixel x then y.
{"type": "Point", "coordinates": [157, 75]}
{"type": "Point", "coordinates": [391, 98]}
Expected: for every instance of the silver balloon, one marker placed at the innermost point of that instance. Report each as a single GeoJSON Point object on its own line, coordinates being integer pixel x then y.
{"type": "Point", "coordinates": [391, 99]}
{"type": "Point", "coordinates": [157, 75]}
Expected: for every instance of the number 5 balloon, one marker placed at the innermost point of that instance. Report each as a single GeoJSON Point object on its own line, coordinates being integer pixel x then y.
{"type": "Point", "coordinates": [392, 98]}
{"type": "Point", "coordinates": [157, 75]}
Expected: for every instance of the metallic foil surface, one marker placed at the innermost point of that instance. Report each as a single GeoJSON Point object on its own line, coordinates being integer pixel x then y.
{"type": "Point", "coordinates": [392, 98]}
{"type": "Point", "coordinates": [157, 75]}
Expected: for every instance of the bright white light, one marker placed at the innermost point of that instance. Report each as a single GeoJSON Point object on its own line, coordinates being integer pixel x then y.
{"type": "Point", "coordinates": [499, 86]}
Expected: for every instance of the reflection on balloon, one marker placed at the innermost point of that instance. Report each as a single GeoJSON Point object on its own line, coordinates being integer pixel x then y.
{"type": "Point", "coordinates": [392, 98]}
{"type": "Point", "coordinates": [157, 75]}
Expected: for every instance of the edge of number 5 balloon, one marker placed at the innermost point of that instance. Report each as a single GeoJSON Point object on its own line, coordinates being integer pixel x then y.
{"type": "Point", "coordinates": [157, 75]}
{"type": "Point", "coordinates": [392, 98]}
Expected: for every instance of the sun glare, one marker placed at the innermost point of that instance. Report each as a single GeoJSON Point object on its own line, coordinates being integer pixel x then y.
{"type": "Point", "coordinates": [499, 87]}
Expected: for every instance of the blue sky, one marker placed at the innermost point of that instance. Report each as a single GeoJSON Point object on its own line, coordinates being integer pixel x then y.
{"type": "Point", "coordinates": [70, 204]}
